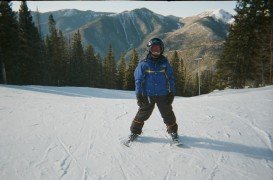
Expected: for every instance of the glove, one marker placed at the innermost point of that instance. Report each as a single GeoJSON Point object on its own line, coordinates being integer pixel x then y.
{"type": "Point", "coordinates": [170, 97]}
{"type": "Point", "coordinates": [141, 100]}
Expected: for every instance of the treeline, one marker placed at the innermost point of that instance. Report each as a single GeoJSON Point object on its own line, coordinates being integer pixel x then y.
{"type": "Point", "coordinates": [27, 58]}
{"type": "Point", "coordinates": [247, 55]}
{"type": "Point", "coordinates": [20, 45]}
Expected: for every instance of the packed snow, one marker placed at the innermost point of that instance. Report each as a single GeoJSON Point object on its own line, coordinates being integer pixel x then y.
{"type": "Point", "coordinates": [76, 133]}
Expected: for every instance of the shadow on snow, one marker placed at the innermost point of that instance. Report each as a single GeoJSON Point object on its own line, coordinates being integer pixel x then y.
{"type": "Point", "coordinates": [77, 91]}
{"type": "Point", "coordinates": [216, 145]}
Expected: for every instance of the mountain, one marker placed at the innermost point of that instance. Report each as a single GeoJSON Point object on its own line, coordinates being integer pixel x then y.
{"type": "Point", "coordinates": [196, 36]}
{"type": "Point", "coordinates": [126, 30]}
{"type": "Point", "coordinates": [201, 36]}
{"type": "Point", "coordinates": [67, 20]}
{"type": "Point", "coordinates": [76, 133]}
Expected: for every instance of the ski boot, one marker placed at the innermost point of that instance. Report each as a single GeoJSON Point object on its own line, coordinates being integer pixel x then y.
{"type": "Point", "coordinates": [175, 138]}
{"type": "Point", "coordinates": [132, 137]}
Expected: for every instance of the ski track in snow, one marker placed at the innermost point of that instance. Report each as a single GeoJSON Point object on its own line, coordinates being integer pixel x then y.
{"type": "Point", "coordinates": [264, 136]}
{"type": "Point", "coordinates": [69, 154]}
{"type": "Point", "coordinates": [53, 133]}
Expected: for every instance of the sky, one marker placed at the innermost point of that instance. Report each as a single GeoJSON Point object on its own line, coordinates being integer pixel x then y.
{"type": "Point", "coordinates": [176, 8]}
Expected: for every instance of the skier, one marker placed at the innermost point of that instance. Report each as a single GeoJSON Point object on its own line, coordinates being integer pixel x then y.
{"type": "Point", "coordinates": [154, 84]}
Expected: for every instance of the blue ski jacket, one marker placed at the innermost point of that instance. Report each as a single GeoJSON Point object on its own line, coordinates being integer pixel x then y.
{"type": "Point", "coordinates": [154, 77]}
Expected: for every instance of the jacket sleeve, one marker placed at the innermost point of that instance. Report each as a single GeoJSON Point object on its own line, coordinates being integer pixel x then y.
{"type": "Point", "coordinates": [170, 75]}
{"type": "Point", "coordinates": [139, 78]}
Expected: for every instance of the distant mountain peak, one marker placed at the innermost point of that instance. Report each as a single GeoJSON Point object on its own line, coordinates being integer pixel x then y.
{"type": "Point", "coordinates": [142, 10]}
{"type": "Point", "coordinates": [69, 12]}
{"type": "Point", "coordinates": [218, 14]}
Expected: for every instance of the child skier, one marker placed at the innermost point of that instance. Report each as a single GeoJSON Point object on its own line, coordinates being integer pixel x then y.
{"type": "Point", "coordinates": [154, 81]}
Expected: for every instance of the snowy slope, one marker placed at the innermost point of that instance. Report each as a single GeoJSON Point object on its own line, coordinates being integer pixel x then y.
{"type": "Point", "coordinates": [75, 133]}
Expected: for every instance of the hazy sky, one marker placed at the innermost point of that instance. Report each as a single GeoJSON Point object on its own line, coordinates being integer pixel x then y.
{"type": "Point", "coordinates": [176, 8]}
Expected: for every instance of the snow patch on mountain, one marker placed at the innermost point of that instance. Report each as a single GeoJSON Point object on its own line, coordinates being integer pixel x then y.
{"type": "Point", "coordinates": [218, 14]}
{"type": "Point", "coordinates": [70, 12]}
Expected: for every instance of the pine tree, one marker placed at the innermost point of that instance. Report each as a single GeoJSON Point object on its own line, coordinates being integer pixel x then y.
{"type": "Point", "coordinates": [52, 52]}
{"type": "Point", "coordinates": [196, 85]}
{"type": "Point", "coordinates": [77, 75]}
{"type": "Point", "coordinates": [92, 66]}
{"type": "Point", "coordinates": [232, 65]}
{"type": "Point", "coordinates": [109, 69]}
{"type": "Point", "coordinates": [100, 78]}
{"type": "Point", "coordinates": [57, 54]}
{"type": "Point", "coordinates": [62, 68]}
{"type": "Point", "coordinates": [30, 46]}
{"type": "Point", "coordinates": [207, 82]}
{"type": "Point", "coordinates": [46, 64]}
{"type": "Point", "coordinates": [97, 70]}
{"type": "Point", "coordinates": [245, 60]}
{"type": "Point", "coordinates": [182, 78]}
{"type": "Point", "coordinates": [38, 21]}
{"type": "Point", "coordinates": [190, 85]}
{"type": "Point", "coordinates": [9, 50]}
{"type": "Point", "coordinates": [41, 63]}
{"type": "Point", "coordinates": [69, 62]}
{"type": "Point", "coordinates": [270, 34]}
{"type": "Point", "coordinates": [264, 49]}
{"type": "Point", "coordinates": [121, 72]}
{"type": "Point", "coordinates": [129, 80]}
{"type": "Point", "coordinates": [105, 73]}
{"type": "Point", "coordinates": [175, 64]}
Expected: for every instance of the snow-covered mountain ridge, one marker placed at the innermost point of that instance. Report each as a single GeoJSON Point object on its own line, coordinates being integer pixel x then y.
{"type": "Point", "coordinates": [218, 14]}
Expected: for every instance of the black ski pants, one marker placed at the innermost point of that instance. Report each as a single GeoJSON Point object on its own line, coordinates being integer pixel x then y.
{"type": "Point", "coordinates": [145, 111]}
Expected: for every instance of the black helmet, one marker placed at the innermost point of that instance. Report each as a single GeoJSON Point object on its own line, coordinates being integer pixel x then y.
{"type": "Point", "coordinates": [156, 41]}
